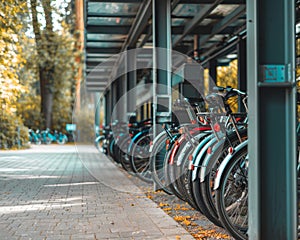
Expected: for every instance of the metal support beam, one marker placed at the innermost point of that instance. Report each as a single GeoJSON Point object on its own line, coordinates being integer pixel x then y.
{"type": "Point", "coordinates": [213, 73]}
{"type": "Point", "coordinates": [211, 1]}
{"type": "Point", "coordinates": [119, 92]}
{"type": "Point", "coordinates": [113, 96]}
{"type": "Point", "coordinates": [111, 15]}
{"type": "Point", "coordinates": [111, 50]}
{"type": "Point", "coordinates": [272, 119]}
{"type": "Point", "coordinates": [162, 59]}
{"type": "Point", "coordinates": [104, 40]}
{"type": "Point", "coordinates": [139, 25]}
{"type": "Point", "coordinates": [131, 80]}
{"type": "Point", "coordinates": [225, 22]}
{"type": "Point", "coordinates": [107, 107]}
{"type": "Point", "coordinates": [242, 69]}
{"type": "Point", "coordinates": [107, 29]}
{"type": "Point", "coordinates": [116, 1]}
{"type": "Point", "coordinates": [204, 12]}
{"type": "Point", "coordinates": [98, 104]}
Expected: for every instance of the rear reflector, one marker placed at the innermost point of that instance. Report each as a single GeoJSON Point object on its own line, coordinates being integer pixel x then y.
{"type": "Point", "coordinates": [209, 150]}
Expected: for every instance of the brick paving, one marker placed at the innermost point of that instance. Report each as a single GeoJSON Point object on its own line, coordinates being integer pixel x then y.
{"type": "Point", "coordinates": [66, 192]}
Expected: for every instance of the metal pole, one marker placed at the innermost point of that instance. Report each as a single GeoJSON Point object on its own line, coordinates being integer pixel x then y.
{"type": "Point", "coordinates": [131, 80]}
{"type": "Point", "coordinates": [242, 69]}
{"type": "Point", "coordinates": [272, 119]}
{"type": "Point", "coordinates": [161, 23]}
{"type": "Point", "coordinates": [161, 29]}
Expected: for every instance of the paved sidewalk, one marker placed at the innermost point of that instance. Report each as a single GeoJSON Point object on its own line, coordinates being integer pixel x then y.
{"type": "Point", "coordinates": [62, 192]}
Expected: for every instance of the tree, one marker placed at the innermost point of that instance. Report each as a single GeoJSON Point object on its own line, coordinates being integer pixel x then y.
{"type": "Point", "coordinates": [11, 60]}
{"type": "Point", "coordinates": [46, 49]}
{"type": "Point", "coordinates": [64, 79]}
{"type": "Point", "coordinates": [56, 53]}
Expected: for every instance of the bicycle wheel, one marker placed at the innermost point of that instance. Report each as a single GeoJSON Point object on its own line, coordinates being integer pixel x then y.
{"type": "Point", "coordinates": [181, 161]}
{"type": "Point", "coordinates": [232, 195]}
{"type": "Point", "coordinates": [211, 163]}
{"type": "Point", "coordinates": [196, 183]}
{"type": "Point", "coordinates": [157, 164]}
{"type": "Point", "coordinates": [170, 177]}
{"type": "Point", "coordinates": [185, 179]}
{"type": "Point", "coordinates": [61, 141]}
{"type": "Point", "coordinates": [187, 176]}
{"type": "Point", "coordinates": [139, 158]}
{"type": "Point", "coordinates": [124, 157]}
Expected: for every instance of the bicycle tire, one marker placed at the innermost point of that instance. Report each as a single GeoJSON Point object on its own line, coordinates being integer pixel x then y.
{"type": "Point", "coordinates": [124, 156]}
{"type": "Point", "coordinates": [236, 177]}
{"type": "Point", "coordinates": [181, 160]}
{"type": "Point", "coordinates": [218, 155]}
{"type": "Point", "coordinates": [140, 159]}
{"type": "Point", "coordinates": [157, 164]}
{"type": "Point", "coordinates": [186, 179]}
{"type": "Point", "coordinates": [169, 175]}
{"type": "Point", "coordinates": [199, 199]}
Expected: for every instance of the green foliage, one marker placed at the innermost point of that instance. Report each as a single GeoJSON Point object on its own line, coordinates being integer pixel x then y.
{"type": "Point", "coordinates": [55, 52]}
{"type": "Point", "coordinates": [20, 62]}
{"type": "Point", "coordinates": [11, 61]}
{"type": "Point", "coordinates": [64, 79]}
{"type": "Point", "coordinates": [29, 108]}
{"type": "Point", "coordinates": [9, 137]}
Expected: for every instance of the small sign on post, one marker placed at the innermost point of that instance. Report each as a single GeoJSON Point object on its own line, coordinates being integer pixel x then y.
{"type": "Point", "coordinates": [71, 127]}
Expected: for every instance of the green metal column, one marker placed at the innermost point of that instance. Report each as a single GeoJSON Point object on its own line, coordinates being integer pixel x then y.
{"type": "Point", "coordinates": [113, 97]}
{"type": "Point", "coordinates": [98, 103]}
{"type": "Point", "coordinates": [119, 92]}
{"type": "Point", "coordinates": [242, 65]}
{"type": "Point", "coordinates": [272, 119]}
{"type": "Point", "coordinates": [213, 71]}
{"type": "Point", "coordinates": [131, 80]}
{"type": "Point", "coordinates": [123, 102]}
{"type": "Point", "coordinates": [107, 107]}
{"type": "Point", "coordinates": [242, 69]}
{"type": "Point", "coordinates": [161, 22]}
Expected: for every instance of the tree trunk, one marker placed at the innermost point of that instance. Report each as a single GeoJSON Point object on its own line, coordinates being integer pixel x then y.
{"type": "Point", "coordinates": [46, 68]}
{"type": "Point", "coordinates": [47, 95]}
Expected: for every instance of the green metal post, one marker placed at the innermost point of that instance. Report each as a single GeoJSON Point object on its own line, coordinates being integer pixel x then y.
{"type": "Point", "coordinates": [161, 21]}
{"type": "Point", "coordinates": [213, 64]}
{"type": "Point", "coordinates": [108, 107]}
{"type": "Point", "coordinates": [272, 119]}
{"type": "Point", "coordinates": [131, 80]}
{"type": "Point", "coordinates": [98, 103]}
{"type": "Point", "coordinates": [242, 69]}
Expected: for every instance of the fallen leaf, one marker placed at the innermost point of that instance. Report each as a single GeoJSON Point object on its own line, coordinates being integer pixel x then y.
{"type": "Point", "coordinates": [163, 204]}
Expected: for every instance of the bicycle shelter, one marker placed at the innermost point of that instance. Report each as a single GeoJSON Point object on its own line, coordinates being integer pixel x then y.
{"type": "Point", "coordinates": [259, 34]}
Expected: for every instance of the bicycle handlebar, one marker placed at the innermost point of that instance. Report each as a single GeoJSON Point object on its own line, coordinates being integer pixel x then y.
{"type": "Point", "coordinates": [229, 89]}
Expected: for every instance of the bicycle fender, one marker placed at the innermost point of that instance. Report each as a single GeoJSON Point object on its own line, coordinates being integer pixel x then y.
{"type": "Point", "coordinates": [198, 161]}
{"type": "Point", "coordinates": [99, 138]}
{"type": "Point", "coordinates": [200, 145]}
{"type": "Point", "coordinates": [187, 146]}
{"type": "Point", "coordinates": [156, 139]}
{"type": "Point", "coordinates": [175, 149]}
{"type": "Point", "coordinates": [203, 169]}
{"type": "Point", "coordinates": [133, 140]}
{"type": "Point", "coordinates": [226, 161]}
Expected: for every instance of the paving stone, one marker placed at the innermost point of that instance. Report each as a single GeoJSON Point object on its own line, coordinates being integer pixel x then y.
{"type": "Point", "coordinates": [57, 192]}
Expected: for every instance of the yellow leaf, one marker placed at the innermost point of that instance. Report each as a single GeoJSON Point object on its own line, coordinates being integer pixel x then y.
{"type": "Point", "coordinates": [163, 204]}
{"type": "Point", "coordinates": [186, 222]}
{"type": "Point", "coordinates": [167, 209]}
